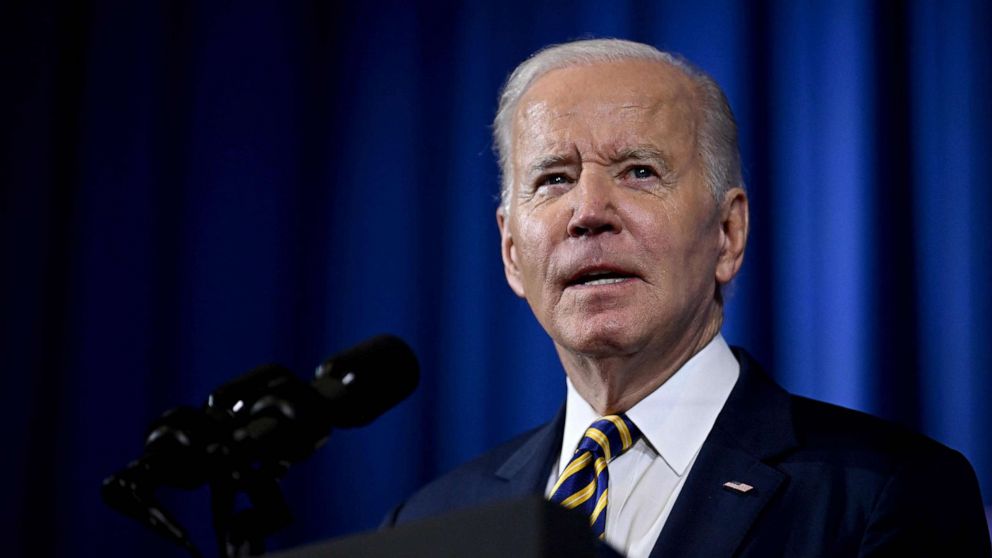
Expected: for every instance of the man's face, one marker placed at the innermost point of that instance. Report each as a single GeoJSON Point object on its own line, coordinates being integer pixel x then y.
{"type": "Point", "coordinates": [612, 234]}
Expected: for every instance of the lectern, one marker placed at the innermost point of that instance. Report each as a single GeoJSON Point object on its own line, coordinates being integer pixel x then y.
{"type": "Point", "coordinates": [524, 528]}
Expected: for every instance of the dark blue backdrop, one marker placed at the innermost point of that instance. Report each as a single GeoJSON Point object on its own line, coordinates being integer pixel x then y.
{"type": "Point", "coordinates": [191, 189]}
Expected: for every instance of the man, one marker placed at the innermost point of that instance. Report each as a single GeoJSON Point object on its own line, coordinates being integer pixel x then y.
{"type": "Point", "coordinates": [623, 216]}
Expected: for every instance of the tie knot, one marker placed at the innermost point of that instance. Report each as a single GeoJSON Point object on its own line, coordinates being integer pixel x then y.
{"type": "Point", "coordinates": [609, 436]}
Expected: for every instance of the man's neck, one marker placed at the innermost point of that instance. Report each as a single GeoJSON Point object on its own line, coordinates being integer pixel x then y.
{"type": "Point", "coordinates": [615, 383]}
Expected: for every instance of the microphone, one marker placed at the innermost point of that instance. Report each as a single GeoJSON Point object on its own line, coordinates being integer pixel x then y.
{"type": "Point", "coordinates": [261, 421]}
{"type": "Point", "coordinates": [282, 419]}
{"type": "Point", "coordinates": [357, 384]}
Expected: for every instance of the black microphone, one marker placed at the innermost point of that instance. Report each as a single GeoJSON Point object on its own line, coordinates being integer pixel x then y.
{"type": "Point", "coordinates": [263, 420]}
{"type": "Point", "coordinates": [367, 380]}
{"type": "Point", "coordinates": [283, 419]}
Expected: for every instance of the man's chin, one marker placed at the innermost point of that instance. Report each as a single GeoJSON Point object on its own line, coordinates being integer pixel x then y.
{"type": "Point", "coordinates": [602, 342]}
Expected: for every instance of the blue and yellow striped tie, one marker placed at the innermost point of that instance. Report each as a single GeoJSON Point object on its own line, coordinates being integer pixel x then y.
{"type": "Point", "coordinates": [584, 482]}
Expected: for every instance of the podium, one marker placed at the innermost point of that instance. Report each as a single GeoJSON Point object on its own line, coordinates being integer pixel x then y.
{"type": "Point", "coordinates": [524, 528]}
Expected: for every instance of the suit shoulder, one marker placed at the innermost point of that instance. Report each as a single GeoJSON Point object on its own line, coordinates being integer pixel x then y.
{"type": "Point", "coordinates": [483, 466]}
{"type": "Point", "coordinates": [470, 484]}
{"type": "Point", "coordinates": [896, 472]}
{"type": "Point", "coordinates": [857, 439]}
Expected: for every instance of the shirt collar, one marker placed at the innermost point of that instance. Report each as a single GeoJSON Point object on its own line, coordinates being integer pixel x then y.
{"type": "Point", "coordinates": [675, 418]}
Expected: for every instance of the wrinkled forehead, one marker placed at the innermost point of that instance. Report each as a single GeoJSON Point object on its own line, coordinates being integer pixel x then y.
{"type": "Point", "coordinates": [607, 106]}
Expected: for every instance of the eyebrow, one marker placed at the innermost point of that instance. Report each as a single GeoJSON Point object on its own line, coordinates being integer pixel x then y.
{"type": "Point", "coordinates": [548, 161]}
{"type": "Point", "coordinates": [639, 153]}
{"type": "Point", "coordinates": [632, 153]}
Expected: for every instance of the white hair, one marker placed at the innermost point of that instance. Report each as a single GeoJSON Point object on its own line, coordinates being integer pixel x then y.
{"type": "Point", "coordinates": [717, 137]}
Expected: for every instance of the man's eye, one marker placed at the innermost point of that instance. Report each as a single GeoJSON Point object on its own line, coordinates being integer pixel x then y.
{"type": "Point", "coordinates": [641, 172]}
{"type": "Point", "coordinates": [553, 179]}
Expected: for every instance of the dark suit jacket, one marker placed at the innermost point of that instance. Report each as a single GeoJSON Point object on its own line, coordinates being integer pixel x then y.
{"type": "Point", "coordinates": [828, 482]}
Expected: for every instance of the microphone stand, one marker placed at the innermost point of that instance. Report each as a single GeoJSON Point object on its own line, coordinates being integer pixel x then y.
{"type": "Point", "coordinates": [242, 533]}
{"type": "Point", "coordinates": [277, 429]}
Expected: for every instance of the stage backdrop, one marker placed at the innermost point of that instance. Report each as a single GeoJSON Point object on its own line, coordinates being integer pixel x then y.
{"type": "Point", "coordinates": [191, 189]}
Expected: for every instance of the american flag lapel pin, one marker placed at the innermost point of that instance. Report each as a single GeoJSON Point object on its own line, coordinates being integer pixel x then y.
{"type": "Point", "coordinates": [739, 487]}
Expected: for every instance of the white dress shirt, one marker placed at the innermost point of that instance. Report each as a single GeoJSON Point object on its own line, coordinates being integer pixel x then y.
{"type": "Point", "coordinates": [674, 420]}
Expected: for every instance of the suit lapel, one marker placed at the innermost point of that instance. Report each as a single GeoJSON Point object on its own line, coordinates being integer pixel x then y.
{"type": "Point", "coordinates": [709, 519]}
{"type": "Point", "coordinates": [526, 470]}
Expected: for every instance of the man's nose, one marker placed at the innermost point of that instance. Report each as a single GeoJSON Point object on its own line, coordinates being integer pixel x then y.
{"type": "Point", "coordinates": [594, 209]}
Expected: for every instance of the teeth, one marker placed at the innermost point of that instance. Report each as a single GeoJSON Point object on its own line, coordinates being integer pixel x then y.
{"type": "Point", "coordinates": [607, 281]}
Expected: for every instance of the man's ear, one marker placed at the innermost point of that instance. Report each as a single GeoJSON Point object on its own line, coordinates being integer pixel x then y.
{"type": "Point", "coordinates": [733, 234]}
{"type": "Point", "coordinates": [509, 253]}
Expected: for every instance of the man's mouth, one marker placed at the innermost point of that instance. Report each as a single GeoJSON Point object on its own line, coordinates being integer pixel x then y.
{"type": "Point", "coordinates": [594, 278]}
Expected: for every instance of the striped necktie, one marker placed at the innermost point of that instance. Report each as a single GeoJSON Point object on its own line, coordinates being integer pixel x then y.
{"type": "Point", "coordinates": [583, 484]}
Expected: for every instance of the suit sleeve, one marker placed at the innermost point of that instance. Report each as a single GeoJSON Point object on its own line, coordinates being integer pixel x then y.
{"type": "Point", "coordinates": [931, 506]}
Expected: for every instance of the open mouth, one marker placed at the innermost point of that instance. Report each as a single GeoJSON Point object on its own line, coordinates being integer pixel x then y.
{"type": "Point", "coordinates": [600, 277]}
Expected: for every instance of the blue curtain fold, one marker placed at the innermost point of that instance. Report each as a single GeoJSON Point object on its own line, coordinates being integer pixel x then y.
{"type": "Point", "coordinates": [193, 189]}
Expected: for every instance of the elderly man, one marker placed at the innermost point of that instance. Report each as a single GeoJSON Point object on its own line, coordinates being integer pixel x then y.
{"type": "Point", "coordinates": [623, 216]}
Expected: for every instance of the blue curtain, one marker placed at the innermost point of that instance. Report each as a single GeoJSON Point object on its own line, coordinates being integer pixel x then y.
{"type": "Point", "coordinates": [191, 189]}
